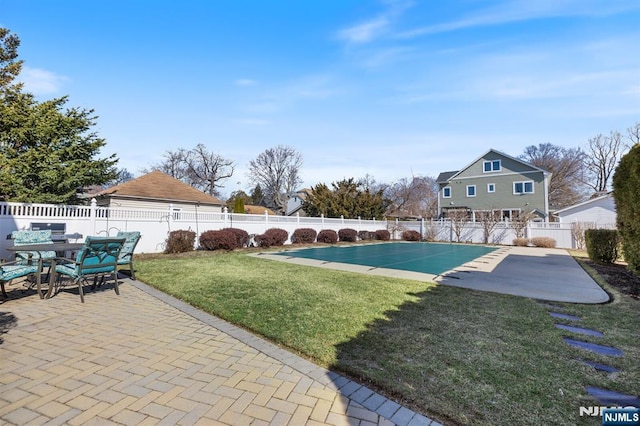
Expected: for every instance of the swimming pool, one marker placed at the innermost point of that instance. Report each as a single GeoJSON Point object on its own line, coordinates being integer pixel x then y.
{"type": "Point", "coordinates": [429, 258]}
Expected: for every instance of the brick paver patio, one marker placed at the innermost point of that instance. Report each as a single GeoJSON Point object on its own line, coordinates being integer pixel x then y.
{"type": "Point", "coordinates": [146, 358]}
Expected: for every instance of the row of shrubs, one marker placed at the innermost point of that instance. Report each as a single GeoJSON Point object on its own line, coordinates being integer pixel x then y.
{"type": "Point", "coordinates": [602, 244]}
{"type": "Point", "coordinates": [231, 238]}
{"type": "Point", "coordinates": [545, 242]}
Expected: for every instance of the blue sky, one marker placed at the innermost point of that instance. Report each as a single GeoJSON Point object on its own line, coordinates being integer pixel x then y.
{"type": "Point", "coordinates": [386, 88]}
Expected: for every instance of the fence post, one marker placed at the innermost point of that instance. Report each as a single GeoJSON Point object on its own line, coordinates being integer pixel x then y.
{"type": "Point", "coordinates": [170, 220]}
{"type": "Point", "coordinates": [266, 220]}
{"type": "Point", "coordinates": [421, 228]}
{"type": "Point", "coordinates": [225, 216]}
{"type": "Point", "coordinates": [92, 215]}
{"type": "Point", "coordinates": [322, 219]}
{"type": "Point", "coordinates": [342, 219]}
{"type": "Point", "coordinates": [298, 219]}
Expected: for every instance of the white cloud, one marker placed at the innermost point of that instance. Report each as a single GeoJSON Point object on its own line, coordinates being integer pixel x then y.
{"type": "Point", "coordinates": [524, 10]}
{"type": "Point", "coordinates": [365, 32]}
{"type": "Point", "coordinates": [41, 82]}
{"type": "Point", "coordinates": [374, 28]}
{"type": "Point", "coordinates": [279, 98]}
{"type": "Point", "coordinates": [252, 121]}
{"type": "Point", "coordinates": [245, 82]}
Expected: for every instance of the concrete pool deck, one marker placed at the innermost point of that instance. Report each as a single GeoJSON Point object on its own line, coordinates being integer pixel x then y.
{"type": "Point", "coordinates": [534, 272]}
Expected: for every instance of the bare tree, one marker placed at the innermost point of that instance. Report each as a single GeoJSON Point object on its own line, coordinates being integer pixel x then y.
{"type": "Point", "coordinates": [276, 170]}
{"type": "Point", "coordinates": [633, 135]}
{"type": "Point", "coordinates": [417, 196]}
{"type": "Point", "coordinates": [577, 232]}
{"type": "Point", "coordinates": [566, 186]}
{"type": "Point", "coordinates": [601, 159]}
{"type": "Point", "coordinates": [173, 165]}
{"type": "Point", "coordinates": [519, 223]}
{"type": "Point", "coordinates": [458, 219]}
{"type": "Point", "coordinates": [206, 170]}
{"type": "Point", "coordinates": [489, 219]}
{"type": "Point", "coordinates": [197, 167]}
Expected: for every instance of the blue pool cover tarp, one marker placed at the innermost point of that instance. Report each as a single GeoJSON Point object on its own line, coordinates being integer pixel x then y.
{"type": "Point", "coordinates": [429, 258]}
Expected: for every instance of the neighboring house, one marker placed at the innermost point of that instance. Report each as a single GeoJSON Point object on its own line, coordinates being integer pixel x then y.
{"type": "Point", "coordinates": [251, 209]}
{"type": "Point", "coordinates": [294, 204]}
{"type": "Point", "coordinates": [157, 190]}
{"type": "Point", "coordinates": [599, 212]}
{"type": "Point", "coordinates": [495, 181]}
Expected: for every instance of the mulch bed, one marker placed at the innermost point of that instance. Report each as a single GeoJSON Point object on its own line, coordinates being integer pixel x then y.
{"type": "Point", "coordinates": [619, 277]}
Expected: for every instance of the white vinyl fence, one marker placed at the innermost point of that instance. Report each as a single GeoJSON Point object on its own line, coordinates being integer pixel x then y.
{"type": "Point", "coordinates": [155, 225]}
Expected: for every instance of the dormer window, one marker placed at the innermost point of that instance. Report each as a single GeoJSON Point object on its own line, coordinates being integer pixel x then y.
{"type": "Point", "coordinates": [491, 166]}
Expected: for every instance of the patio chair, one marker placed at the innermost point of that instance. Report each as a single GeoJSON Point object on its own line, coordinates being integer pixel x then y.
{"type": "Point", "coordinates": [16, 269]}
{"type": "Point", "coordinates": [126, 254]}
{"type": "Point", "coordinates": [21, 238]}
{"type": "Point", "coordinates": [98, 257]}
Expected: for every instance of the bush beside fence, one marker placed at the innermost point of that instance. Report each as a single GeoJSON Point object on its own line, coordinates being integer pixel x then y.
{"type": "Point", "coordinates": [155, 225]}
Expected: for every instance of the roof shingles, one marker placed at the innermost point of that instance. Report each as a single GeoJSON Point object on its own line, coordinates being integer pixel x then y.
{"type": "Point", "coordinates": [160, 186]}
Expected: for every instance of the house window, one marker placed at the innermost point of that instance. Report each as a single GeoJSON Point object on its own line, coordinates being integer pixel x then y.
{"type": "Point", "coordinates": [523, 187]}
{"type": "Point", "coordinates": [446, 192]}
{"type": "Point", "coordinates": [491, 187]}
{"type": "Point", "coordinates": [471, 190]}
{"type": "Point", "coordinates": [176, 214]}
{"type": "Point", "coordinates": [491, 166]}
{"type": "Point", "coordinates": [510, 214]}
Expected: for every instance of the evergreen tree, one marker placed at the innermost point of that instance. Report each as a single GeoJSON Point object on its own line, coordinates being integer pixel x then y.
{"type": "Point", "coordinates": [47, 151]}
{"type": "Point", "coordinates": [626, 192]}
{"type": "Point", "coordinates": [348, 198]}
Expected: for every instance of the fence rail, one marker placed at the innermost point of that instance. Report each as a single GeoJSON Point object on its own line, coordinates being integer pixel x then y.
{"type": "Point", "coordinates": [155, 224]}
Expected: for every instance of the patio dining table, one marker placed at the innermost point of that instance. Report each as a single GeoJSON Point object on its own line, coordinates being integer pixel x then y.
{"type": "Point", "coordinates": [58, 248]}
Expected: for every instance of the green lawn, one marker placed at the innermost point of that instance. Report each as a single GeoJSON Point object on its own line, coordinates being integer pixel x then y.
{"type": "Point", "coordinates": [460, 356]}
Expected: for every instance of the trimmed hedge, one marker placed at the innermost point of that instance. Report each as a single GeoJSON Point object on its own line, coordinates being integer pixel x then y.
{"type": "Point", "coordinates": [242, 236]}
{"type": "Point", "coordinates": [602, 245]}
{"type": "Point", "coordinates": [272, 237]}
{"type": "Point", "coordinates": [328, 236]}
{"type": "Point", "coordinates": [521, 242]}
{"type": "Point", "coordinates": [383, 235]}
{"type": "Point", "coordinates": [180, 241]}
{"type": "Point", "coordinates": [348, 234]}
{"type": "Point", "coordinates": [545, 242]}
{"type": "Point", "coordinates": [411, 236]}
{"type": "Point", "coordinates": [223, 239]}
{"type": "Point", "coordinates": [626, 182]}
{"type": "Point", "coordinates": [303, 236]}
{"type": "Point", "coordinates": [366, 235]}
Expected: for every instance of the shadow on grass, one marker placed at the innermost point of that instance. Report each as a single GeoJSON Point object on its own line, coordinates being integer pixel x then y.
{"type": "Point", "coordinates": [467, 357]}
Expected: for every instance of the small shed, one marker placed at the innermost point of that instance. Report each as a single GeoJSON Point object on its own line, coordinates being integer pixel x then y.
{"type": "Point", "coordinates": [157, 190]}
{"type": "Point", "coordinates": [599, 210]}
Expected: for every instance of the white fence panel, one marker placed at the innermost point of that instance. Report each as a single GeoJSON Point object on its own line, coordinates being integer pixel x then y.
{"type": "Point", "coordinates": [561, 232]}
{"type": "Point", "coordinates": [155, 225]}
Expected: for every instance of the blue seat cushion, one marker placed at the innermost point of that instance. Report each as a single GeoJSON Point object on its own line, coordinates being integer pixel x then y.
{"type": "Point", "coordinates": [9, 272]}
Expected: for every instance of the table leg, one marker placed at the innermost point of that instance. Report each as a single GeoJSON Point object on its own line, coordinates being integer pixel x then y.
{"type": "Point", "coordinates": [39, 278]}
{"type": "Point", "coordinates": [52, 278]}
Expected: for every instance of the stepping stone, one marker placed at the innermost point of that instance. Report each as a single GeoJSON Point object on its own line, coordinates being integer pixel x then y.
{"type": "Point", "coordinates": [600, 367]}
{"type": "Point", "coordinates": [564, 316]}
{"type": "Point", "coordinates": [579, 330]}
{"type": "Point", "coordinates": [550, 306]}
{"type": "Point", "coordinates": [607, 397]}
{"type": "Point", "coordinates": [600, 349]}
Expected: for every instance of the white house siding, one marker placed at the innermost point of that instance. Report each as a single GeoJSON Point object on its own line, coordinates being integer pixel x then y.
{"type": "Point", "coordinates": [131, 203]}
{"type": "Point", "coordinates": [600, 211]}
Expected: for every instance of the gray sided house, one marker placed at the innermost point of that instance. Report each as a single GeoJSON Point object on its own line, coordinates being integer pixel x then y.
{"type": "Point", "coordinates": [495, 181]}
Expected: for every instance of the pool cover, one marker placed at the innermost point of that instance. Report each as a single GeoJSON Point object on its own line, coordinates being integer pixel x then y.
{"type": "Point", "coordinates": [429, 258]}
